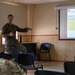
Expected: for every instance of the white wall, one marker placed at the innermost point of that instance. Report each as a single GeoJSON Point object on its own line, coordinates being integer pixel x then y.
{"type": "Point", "coordinates": [19, 12]}
{"type": "Point", "coordinates": [44, 19]}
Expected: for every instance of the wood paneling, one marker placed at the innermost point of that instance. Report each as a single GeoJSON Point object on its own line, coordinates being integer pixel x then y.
{"type": "Point", "coordinates": [61, 50]}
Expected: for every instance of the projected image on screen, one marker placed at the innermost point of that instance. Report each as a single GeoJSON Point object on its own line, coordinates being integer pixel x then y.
{"type": "Point", "coordinates": [70, 23]}
{"type": "Point", "coordinates": [66, 21]}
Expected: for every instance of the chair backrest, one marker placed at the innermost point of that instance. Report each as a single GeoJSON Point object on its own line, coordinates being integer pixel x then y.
{"type": "Point", "coordinates": [6, 56]}
{"type": "Point", "coordinates": [15, 52]}
{"type": "Point", "coordinates": [45, 46]}
{"type": "Point", "coordinates": [25, 59]}
{"type": "Point", "coordinates": [44, 72]}
{"type": "Point", "coordinates": [69, 67]}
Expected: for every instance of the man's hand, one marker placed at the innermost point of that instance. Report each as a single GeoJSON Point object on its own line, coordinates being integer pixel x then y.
{"type": "Point", "coordinates": [29, 28]}
{"type": "Point", "coordinates": [11, 34]}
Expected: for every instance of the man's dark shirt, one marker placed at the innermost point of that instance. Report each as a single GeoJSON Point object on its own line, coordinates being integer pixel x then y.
{"type": "Point", "coordinates": [7, 28]}
{"type": "Point", "coordinates": [11, 41]}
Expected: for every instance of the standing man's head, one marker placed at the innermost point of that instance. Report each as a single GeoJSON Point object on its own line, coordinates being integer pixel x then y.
{"type": "Point", "coordinates": [10, 18]}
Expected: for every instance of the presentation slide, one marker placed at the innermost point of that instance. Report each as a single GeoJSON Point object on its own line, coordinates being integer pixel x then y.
{"type": "Point", "coordinates": [70, 23]}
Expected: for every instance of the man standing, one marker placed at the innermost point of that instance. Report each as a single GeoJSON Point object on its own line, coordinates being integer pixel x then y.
{"type": "Point", "coordinates": [9, 33]}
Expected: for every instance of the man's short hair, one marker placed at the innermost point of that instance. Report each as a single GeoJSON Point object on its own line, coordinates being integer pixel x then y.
{"type": "Point", "coordinates": [10, 15]}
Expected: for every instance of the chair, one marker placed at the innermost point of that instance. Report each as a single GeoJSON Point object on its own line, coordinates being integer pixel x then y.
{"type": "Point", "coordinates": [44, 72]}
{"type": "Point", "coordinates": [27, 63]}
{"type": "Point", "coordinates": [15, 52]}
{"type": "Point", "coordinates": [69, 67]}
{"type": "Point", "coordinates": [26, 60]}
{"type": "Point", "coordinates": [6, 56]}
{"type": "Point", "coordinates": [45, 48]}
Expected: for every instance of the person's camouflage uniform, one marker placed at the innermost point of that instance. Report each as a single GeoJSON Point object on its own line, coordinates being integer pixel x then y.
{"type": "Point", "coordinates": [9, 67]}
{"type": "Point", "coordinates": [11, 41]}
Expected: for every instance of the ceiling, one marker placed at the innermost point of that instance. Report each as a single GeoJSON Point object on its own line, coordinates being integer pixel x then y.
{"type": "Point", "coordinates": [31, 1]}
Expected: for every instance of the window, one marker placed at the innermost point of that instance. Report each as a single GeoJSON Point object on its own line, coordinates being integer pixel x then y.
{"type": "Point", "coordinates": [3, 39]}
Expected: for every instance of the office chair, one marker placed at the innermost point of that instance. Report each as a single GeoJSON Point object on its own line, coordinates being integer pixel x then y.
{"type": "Point", "coordinates": [45, 48]}
{"type": "Point", "coordinates": [26, 62]}
{"type": "Point", "coordinates": [69, 67]}
{"type": "Point", "coordinates": [45, 72]}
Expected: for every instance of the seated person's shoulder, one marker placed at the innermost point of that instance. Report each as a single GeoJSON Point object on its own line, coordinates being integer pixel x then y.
{"type": "Point", "coordinates": [7, 67]}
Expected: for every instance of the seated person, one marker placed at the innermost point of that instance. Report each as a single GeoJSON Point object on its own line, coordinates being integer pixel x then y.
{"type": "Point", "coordinates": [10, 67]}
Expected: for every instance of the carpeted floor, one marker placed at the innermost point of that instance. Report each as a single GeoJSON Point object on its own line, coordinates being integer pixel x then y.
{"type": "Point", "coordinates": [48, 65]}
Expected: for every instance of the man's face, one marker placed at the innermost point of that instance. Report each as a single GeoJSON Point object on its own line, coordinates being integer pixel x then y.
{"type": "Point", "coordinates": [10, 18]}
